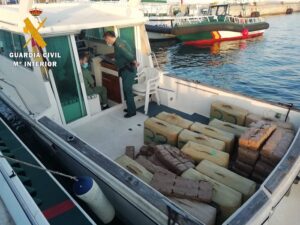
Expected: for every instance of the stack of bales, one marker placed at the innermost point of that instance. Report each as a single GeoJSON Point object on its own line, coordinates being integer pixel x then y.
{"type": "Point", "coordinates": [190, 161]}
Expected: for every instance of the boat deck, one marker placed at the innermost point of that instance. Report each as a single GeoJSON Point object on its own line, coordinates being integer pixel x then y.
{"type": "Point", "coordinates": [287, 211]}
{"type": "Point", "coordinates": [110, 132]}
{"type": "Point", "coordinates": [154, 109]}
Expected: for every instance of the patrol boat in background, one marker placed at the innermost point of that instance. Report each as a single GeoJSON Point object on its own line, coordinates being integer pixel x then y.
{"type": "Point", "coordinates": [194, 29]}
{"type": "Point", "coordinates": [86, 140]}
{"type": "Point", "coordinates": [217, 26]}
{"type": "Point", "coordinates": [162, 16]}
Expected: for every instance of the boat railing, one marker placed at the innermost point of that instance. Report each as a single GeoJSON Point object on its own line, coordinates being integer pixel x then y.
{"type": "Point", "coordinates": [155, 10]}
{"type": "Point", "coordinates": [18, 93]}
{"type": "Point", "coordinates": [240, 20]}
{"type": "Point", "coordinates": [153, 55]}
{"type": "Point", "coordinates": [183, 20]}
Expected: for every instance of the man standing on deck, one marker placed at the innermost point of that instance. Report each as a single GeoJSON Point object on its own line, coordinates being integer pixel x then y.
{"type": "Point", "coordinates": [127, 64]}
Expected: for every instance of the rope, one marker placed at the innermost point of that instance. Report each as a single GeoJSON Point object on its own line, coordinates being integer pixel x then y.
{"type": "Point", "coordinates": [39, 168]}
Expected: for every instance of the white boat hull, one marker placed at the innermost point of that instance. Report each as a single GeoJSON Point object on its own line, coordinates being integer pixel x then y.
{"type": "Point", "coordinates": [82, 163]}
{"type": "Point", "coordinates": [160, 36]}
{"type": "Point", "coordinates": [160, 24]}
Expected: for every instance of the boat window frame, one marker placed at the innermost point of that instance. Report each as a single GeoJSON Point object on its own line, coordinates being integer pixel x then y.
{"type": "Point", "coordinates": [100, 39]}
{"type": "Point", "coordinates": [80, 77]}
{"type": "Point", "coordinates": [75, 58]}
{"type": "Point", "coordinates": [225, 6]}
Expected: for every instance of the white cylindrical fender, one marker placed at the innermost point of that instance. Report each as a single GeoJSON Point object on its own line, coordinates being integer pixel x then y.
{"type": "Point", "coordinates": [88, 191]}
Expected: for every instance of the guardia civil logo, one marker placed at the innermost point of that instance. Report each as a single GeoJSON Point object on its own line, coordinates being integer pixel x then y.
{"type": "Point", "coordinates": [35, 53]}
{"type": "Point", "coordinates": [34, 32]}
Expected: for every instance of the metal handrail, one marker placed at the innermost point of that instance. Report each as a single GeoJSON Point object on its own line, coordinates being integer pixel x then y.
{"type": "Point", "coordinates": [182, 20]}
{"type": "Point", "coordinates": [155, 59]}
{"type": "Point", "coordinates": [18, 93]}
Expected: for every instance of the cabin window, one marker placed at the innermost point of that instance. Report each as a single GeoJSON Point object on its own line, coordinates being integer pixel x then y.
{"type": "Point", "coordinates": [221, 11]}
{"type": "Point", "coordinates": [127, 34]}
{"type": "Point", "coordinates": [6, 43]}
{"type": "Point", "coordinates": [66, 78]}
{"type": "Point", "coordinates": [213, 11]}
{"type": "Point", "coordinates": [19, 42]}
{"type": "Point", "coordinates": [96, 33]}
{"type": "Point", "coordinates": [13, 43]}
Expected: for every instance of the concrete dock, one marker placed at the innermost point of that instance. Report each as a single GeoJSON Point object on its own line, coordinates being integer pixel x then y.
{"type": "Point", "coordinates": [264, 8]}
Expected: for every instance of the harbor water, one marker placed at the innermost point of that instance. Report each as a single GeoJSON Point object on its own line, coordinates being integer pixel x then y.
{"type": "Point", "coordinates": [266, 68]}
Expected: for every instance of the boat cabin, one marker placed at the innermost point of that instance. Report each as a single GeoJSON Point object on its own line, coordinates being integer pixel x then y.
{"type": "Point", "coordinates": [219, 10]}
{"type": "Point", "coordinates": [70, 30]}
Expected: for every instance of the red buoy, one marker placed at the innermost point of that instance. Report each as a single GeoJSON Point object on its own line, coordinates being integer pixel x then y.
{"type": "Point", "coordinates": [245, 33]}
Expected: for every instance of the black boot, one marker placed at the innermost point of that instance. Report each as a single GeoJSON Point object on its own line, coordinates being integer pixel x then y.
{"type": "Point", "coordinates": [127, 115]}
{"type": "Point", "coordinates": [106, 106]}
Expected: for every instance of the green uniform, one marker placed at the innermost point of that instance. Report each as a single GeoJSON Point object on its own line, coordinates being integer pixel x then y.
{"type": "Point", "coordinates": [124, 56]}
{"type": "Point", "coordinates": [91, 89]}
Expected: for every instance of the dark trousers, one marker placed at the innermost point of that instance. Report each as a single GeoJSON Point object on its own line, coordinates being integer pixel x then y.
{"type": "Point", "coordinates": [128, 81]}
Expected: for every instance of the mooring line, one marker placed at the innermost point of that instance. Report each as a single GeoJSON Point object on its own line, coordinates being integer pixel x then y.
{"type": "Point", "coordinates": [39, 167]}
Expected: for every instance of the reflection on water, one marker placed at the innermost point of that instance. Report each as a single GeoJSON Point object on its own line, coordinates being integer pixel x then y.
{"type": "Point", "coordinates": [265, 67]}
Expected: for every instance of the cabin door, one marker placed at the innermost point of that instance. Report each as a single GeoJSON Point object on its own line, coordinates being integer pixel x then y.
{"type": "Point", "coordinates": [66, 78]}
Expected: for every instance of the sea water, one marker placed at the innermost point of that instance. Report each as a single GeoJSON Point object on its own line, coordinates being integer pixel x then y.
{"type": "Point", "coordinates": [267, 67]}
